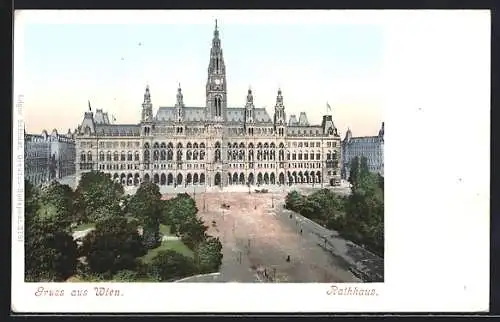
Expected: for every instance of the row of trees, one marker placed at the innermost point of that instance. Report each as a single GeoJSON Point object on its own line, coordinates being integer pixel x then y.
{"type": "Point", "coordinates": [358, 217]}
{"type": "Point", "coordinates": [126, 228]}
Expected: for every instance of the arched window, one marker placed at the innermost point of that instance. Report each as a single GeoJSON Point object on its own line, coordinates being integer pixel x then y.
{"type": "Point", "coordinates": [89, 156]}
{"type": "Point", "coordinates": [129, 156]}
{"type": "Point", "coordinates": [82, 157]}
{"type": "Point", "coordinates": [108, 156]}
{"type": "Point", "coordinates": [136, 156]}
{"type": "Point", "coordinates": [115, 156]}
{"type": "Point", "coordinates": [101, 156]}
{"type": "Point", "coordinates": [218, 106]}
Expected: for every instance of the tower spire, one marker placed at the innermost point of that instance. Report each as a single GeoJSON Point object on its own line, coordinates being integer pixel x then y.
{"type": "Point", "coordinates": [216, 81]}
{"type": "Point", "coordinates": [216, 33]}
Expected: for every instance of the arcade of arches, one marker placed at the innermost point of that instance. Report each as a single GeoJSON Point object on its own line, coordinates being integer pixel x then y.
{"type": "Point", "coordinates": [231, 178]}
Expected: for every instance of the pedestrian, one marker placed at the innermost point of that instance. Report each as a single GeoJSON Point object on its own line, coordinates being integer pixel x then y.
{"type": "Point", "coordinates": [288, 258]}
{"type": "Point", "coordinates": [301, 231]}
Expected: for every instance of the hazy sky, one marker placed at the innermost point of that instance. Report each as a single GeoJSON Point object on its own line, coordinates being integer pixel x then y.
{"type": "Point", "coordinates": [67, 64]}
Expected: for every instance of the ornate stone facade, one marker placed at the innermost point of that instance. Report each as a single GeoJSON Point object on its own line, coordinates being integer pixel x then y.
{"type": "Point", "coordinates": [371, 147]}
{"type": "Point", "coordinates": [211, 145]}
{"type": "Point", "coordinates": [48, 157]}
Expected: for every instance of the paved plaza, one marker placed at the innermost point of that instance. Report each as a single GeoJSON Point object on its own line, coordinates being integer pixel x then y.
{"type": "Point", "coordinates": [261, 243]}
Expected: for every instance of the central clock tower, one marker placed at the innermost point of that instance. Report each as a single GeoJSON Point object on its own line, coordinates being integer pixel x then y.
{"type": "Point", "coordinates": [216, 93]}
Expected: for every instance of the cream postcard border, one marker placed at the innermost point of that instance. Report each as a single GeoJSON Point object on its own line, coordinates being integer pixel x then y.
{"type": "Point", "coordinates": [437, 162]}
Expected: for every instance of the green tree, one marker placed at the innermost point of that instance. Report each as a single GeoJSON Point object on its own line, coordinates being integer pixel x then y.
{"type": "Point", "coordinates": [293, 201]}
{"type": "Point", "coordinates": [364, 171]}
{"type": "Point", "coordinates": [50, 253]}
{"type": "Point", "coordinates": [192, 232]}
{"type": "Point", "coordinates": [169, 265]}
{"type": "Point", "coordinates": [55, 205]}
{"type": "Point", "coordinates": [178, 211]}
{"type": "Point", "coordinates": [96, 190]}
{"type": "Point", "coordinates": [354, 171]}
{"type": "Point", "coordinates": [365, 214]}
{"type": "Point", "coordinates": [145, 205]}
{"type": "Point", "coordinates": [30, 198]}
{"type": "Point", "coordinates": [113, 246]}
{"type": "Point", "coordinates": [209, 255]}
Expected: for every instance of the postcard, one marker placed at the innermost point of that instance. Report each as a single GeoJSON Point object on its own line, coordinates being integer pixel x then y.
{"type": "Point", "coordinates": [236, 161]}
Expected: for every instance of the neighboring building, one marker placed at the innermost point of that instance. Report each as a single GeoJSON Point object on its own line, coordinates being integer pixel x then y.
{"type": "Point", "coordinates": [36, 158]}
{"type": "Point", "coordinates": [211, 145]}
{"type": "Point", "coordinates": [63, 154]}
{"type": "Point", "coordinates": [371, 147]}
{"type": "Point", "coordinates": [48, 157]}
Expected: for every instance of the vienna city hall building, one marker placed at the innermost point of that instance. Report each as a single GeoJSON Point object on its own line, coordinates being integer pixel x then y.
{"type": "Point", "coordinates": [211, 145]}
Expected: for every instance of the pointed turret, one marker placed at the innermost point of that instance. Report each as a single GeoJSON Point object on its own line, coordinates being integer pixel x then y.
{"type": "Point", "coordinates": [279, 115]}
{"type": "Point", "coordinates": [147, 107]}
{"type": "Point", "coordinates": [381, 131]}
{"type": "Point", "coordinates": [348, 135]}
{"type": "Point", "coordinates": [179, 105]}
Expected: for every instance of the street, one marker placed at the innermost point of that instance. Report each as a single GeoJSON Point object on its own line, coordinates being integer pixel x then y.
{"type": "Point", "coordinates": [257, 243]}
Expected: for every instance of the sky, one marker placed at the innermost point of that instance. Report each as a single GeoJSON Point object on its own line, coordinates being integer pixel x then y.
{"type": "Point", "coordinates": [68, 60]}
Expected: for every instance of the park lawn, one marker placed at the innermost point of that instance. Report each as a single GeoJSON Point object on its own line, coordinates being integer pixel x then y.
{"type": "Point", "coordinates": [165, 230]}
{"type": "Point", "coordinates": [84, 227]}
{"type": "Point", "coordinates": [175, 245]}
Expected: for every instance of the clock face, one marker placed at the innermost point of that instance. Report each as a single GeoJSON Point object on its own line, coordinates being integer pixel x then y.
{"type": "Point", "coordinates": [217, 81]}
